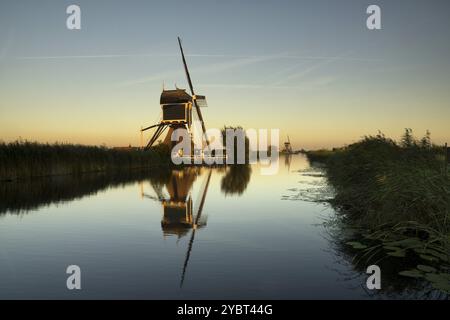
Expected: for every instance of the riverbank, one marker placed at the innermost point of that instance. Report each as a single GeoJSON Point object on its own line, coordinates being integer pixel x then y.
{"type": "Point", "coordinates": [26, 160]}
{"type": "Point", "coordinates": [395, 199]}
{"type": "Point", "coordinates": [378, 180]}
{"type": "Point", "coordinates": [321, 155]}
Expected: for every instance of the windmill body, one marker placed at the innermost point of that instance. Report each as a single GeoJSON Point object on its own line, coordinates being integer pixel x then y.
{"type": "Point", "coordinates": [177, 108]}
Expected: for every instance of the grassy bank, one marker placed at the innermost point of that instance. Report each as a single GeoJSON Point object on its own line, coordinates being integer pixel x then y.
{"type": "Point", "coordinates": [379, 181]}
{"type": "Point", "coordinates": [25, 160]}
{"type": "Point", "coordinates": [397, 196]}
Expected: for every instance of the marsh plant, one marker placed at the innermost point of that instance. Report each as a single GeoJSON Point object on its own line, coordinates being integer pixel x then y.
{"type": "Point", "coordinates": [396, 197]}
{"type": "Point", "coordinates": [25, 160]}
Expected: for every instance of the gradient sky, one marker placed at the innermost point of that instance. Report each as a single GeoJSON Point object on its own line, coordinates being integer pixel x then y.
{"type": "Point", "coordinates": [310, 68]}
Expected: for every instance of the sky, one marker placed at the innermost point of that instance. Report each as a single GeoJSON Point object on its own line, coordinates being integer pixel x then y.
{"type": "Point", "coordinates": [311, 69]}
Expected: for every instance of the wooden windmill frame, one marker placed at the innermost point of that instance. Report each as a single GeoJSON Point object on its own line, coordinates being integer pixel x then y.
{"type": "Point", "coordinates": [182, 101]}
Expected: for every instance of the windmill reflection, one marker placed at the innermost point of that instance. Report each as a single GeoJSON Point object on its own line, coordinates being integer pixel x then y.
{"type": "Point", "coordinates": [179, 214]}
{"type": "Point", "coordinates": [287, 161]}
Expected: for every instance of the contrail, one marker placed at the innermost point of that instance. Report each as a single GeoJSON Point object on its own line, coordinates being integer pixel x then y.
{"type": "Point", "coordinates": [310, 69]}
{"type": "Point", "coordinates": [145, 55]}
{"type": "Point", "coordinates": [100, 56]}
{"type": "Point", "coordinates": [236, 61]}
{"type": "Point", "coordinates": [209, 68]}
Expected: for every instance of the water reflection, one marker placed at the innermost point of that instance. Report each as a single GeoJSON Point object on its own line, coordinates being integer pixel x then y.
{"type": "Point", "coordinates": [21, 197]}
{"type": "Point", "coordinates": [355, 264]}
{"type": "Point", "coordinates": [26, 196]}
{"type": "Point", "coordinates": [251, 232]}
{"type": "Point", "coordinates": [236, 180]}
{"type": "Point", "coordinates": [180, 213]}
{"type": "Point", "coordinates": [172, 188]}
{"type": "Point", "coordinates": [287, 161]}
{"type": "Point", "coordinates": [350, 264]}
{"type": "Point", "coordinates": [179, 217]}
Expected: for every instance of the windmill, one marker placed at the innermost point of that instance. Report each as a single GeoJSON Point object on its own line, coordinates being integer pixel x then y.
{"type": "Point", "coordinates": [287, 147]}
{"type": "Point", "coordinates": [177, 111]}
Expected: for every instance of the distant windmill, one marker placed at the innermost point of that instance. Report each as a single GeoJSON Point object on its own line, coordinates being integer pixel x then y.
{"type": "Point", "coordinates": [287, 147]}
{"type": "Point", "coordinates": [177, 108]}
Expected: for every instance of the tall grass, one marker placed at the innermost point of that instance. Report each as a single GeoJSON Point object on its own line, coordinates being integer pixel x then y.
{"type": "Point", "coordinates": [24, 160]}
{"type": "Point", "coordinates": [379, 181]}
{"type": "Point", "coordinates": [396, 196]}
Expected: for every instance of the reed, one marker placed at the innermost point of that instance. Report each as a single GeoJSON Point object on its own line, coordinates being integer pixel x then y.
{"type": "Point", "coordinates": [396, 196]}
{"type": "Point", "coordinates": [25, 160]}
{"type": "Point", "coordinates": [379, 181]}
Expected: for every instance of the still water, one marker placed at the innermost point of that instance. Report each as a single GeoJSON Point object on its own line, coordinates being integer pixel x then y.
{"type": "Point", "coordinates": [195, 233]}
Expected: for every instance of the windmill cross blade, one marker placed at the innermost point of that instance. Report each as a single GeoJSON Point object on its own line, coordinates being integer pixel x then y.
{"type": "Point", "coordinates": [186, 68]}
{"type": "Point", "coordinates": [201, 192]}
{"type": "Point", "coordinates": [197, 219]}
{"type": "Point", "coordinates": [186, 259]}
{"type": "Point", "coordinates": [188, 76]}
{"type": "Point", "coordinates": [202, 202]}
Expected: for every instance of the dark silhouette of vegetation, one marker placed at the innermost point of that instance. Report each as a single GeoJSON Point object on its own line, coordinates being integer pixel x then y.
{"type": "Point", "coordinates": [379, 181]}
{"type": "Point", "coordinates": [396, 197]}
{"type": "Point", "coordinates": [321, 155]}
{"type": "Point", "coordinates": [24, 160]}
{"type": "Point", "coordinates": [236, 179]}
{"type": "Point", "coordinates": [23, 196]}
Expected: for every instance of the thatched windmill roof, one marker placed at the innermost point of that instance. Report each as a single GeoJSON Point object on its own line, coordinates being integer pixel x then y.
{"type": "Point", "coordinates": [174, 96]}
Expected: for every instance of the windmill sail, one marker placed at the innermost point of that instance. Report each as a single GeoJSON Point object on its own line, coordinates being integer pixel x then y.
{"type": "Point", "coordinates": [188, 76]}
{"type": "Point", "coordinates": [201, 101]}
{"type": "Point", "coordinates": [196, 222]}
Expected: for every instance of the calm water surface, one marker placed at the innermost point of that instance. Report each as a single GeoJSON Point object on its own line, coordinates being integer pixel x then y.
{"type": "Point", "coordinates": [193, 233]}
